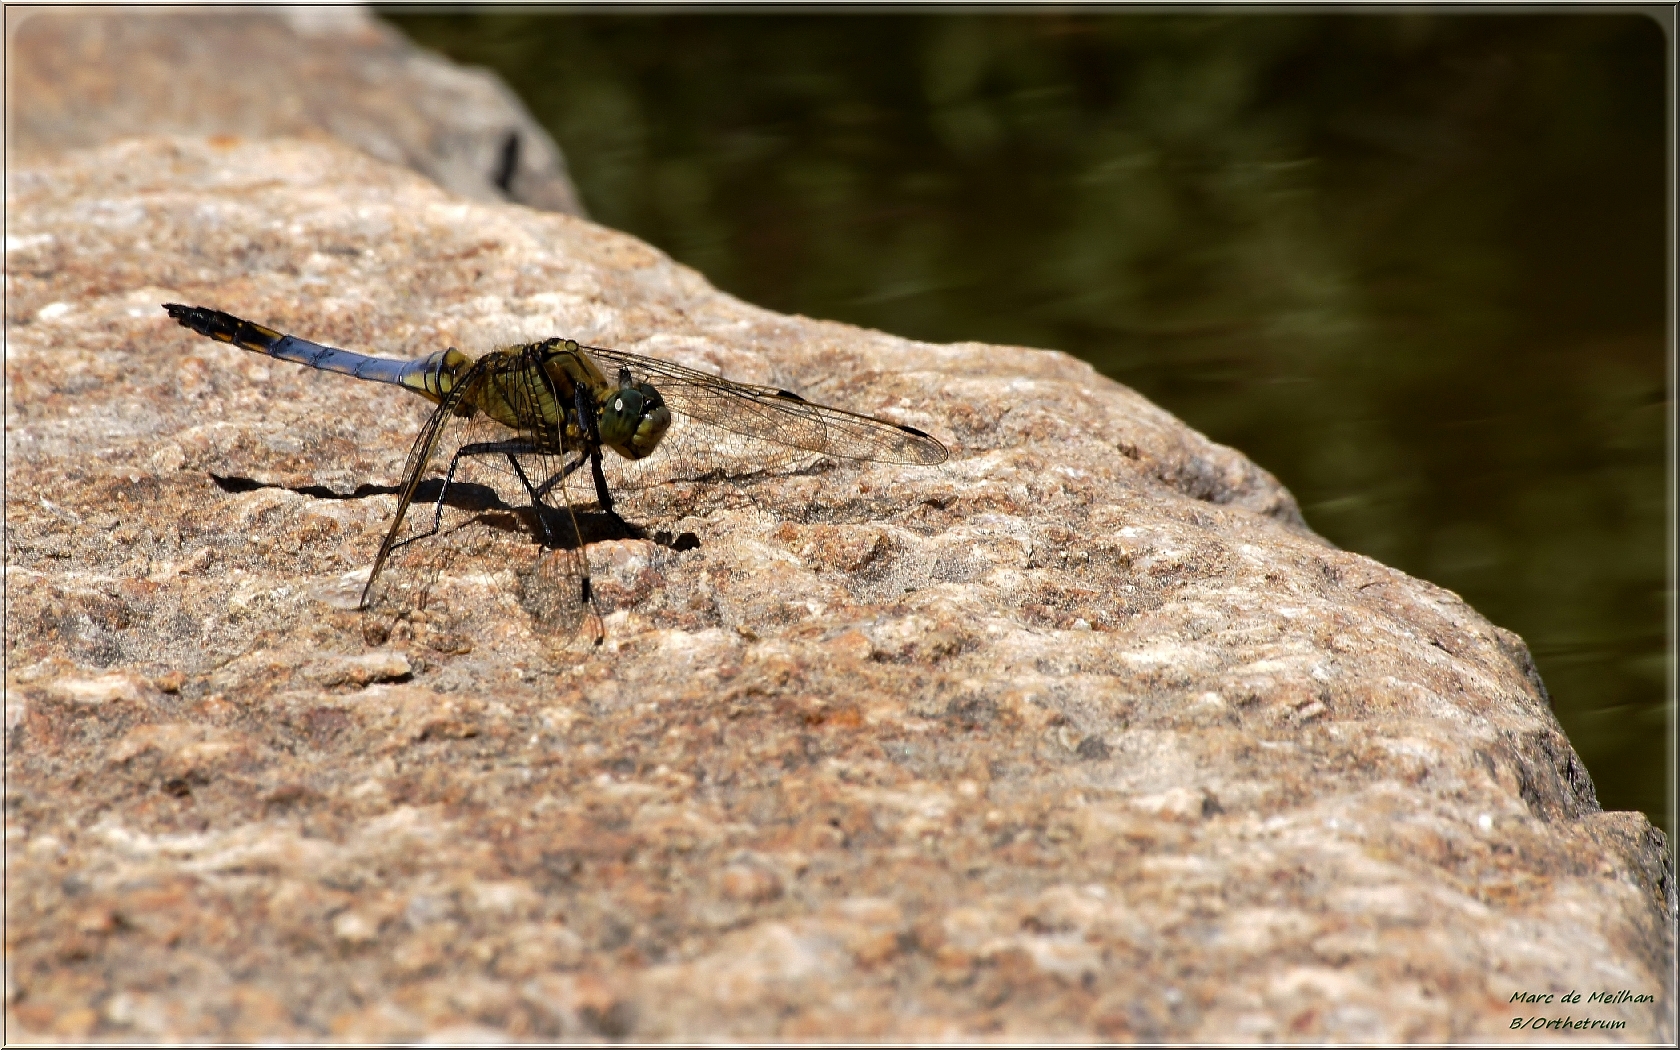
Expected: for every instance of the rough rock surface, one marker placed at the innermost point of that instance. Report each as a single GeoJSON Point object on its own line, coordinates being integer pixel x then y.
{"type": "Point", "coordinates": [1079, 736]}
{"type": "Point", "coordinates": [79, 77]}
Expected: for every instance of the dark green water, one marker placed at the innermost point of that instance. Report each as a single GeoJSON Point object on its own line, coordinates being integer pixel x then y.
{"type": "Point", "coordinates": [1414, 265]}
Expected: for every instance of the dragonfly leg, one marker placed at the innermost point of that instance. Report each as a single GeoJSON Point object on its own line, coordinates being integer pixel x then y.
{"type": "Point", "coordinates": [571, 468]}
{"type": "Point", "coordinates": [601, 494]}
{"type": "Point", "coordinates": [537, 505]}
{"type": "Point", "coordinates": [586, 593]}
{"type": "Point", "coordinates": [483, 448]}
{"type": "Point", "coordinates": [586, 416]}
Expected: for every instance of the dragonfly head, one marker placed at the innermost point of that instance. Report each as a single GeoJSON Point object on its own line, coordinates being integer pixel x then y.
{"type": "Point", "coordinates": [633, 417]}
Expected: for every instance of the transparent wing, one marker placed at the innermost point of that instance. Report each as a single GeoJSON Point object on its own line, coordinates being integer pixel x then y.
{"type": "Point", "coordinates": [777, 416]}
{"type": "Point", "coordinates": [475, 527]}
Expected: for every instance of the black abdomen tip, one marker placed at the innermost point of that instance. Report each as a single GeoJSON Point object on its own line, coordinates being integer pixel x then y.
{"type": "Point", "coordinates": [199, 319]}
{"type": "Point", "coordinates": [224, 327]}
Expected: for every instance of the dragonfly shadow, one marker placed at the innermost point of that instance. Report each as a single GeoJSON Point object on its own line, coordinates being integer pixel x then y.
{"type": "Point", "coordinates": [233, 483]}
{"type": "Point", "coordinates": [556, 528]}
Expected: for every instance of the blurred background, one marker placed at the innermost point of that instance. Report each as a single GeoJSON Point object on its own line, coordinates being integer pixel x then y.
{"type": "Point", "coordinates": [1414, 265]}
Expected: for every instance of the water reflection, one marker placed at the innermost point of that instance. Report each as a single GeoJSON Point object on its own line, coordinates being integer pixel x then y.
{"type": "Point", "coordinates": [1414, 265]}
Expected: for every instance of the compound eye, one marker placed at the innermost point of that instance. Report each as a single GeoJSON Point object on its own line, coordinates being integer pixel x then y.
{"type": "Point", "coordinates": [621, 416]}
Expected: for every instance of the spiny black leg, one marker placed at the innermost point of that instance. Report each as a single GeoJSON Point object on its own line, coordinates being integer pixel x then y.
{"type": "Point", "coordinates": [592, 434]}
{"type": "Point", "coordinates": [537, 505]}
{"type": "Point", "coordinates": [630, 531]}
{"type": "Point", "coordinates": [548, 486]}
{"type": "Point", "coordinates": [482, 448]}
{"type": "Point", "coordinates": [586, 592]}
{"type": "Point", "coordinates": [601, 494]}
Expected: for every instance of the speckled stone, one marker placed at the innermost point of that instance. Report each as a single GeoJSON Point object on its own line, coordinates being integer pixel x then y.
{"type": "Point", "coordinates": [1082, 735]}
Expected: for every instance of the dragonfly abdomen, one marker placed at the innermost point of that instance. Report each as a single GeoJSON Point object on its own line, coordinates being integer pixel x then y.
{"type": "Point", "coordinates": [431, 376]}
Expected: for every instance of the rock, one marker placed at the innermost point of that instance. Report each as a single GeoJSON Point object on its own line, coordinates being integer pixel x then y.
{"type": "Point", "coordinates": [81, 77]}
{"type": "Point", "coordinates": [1082, 735]}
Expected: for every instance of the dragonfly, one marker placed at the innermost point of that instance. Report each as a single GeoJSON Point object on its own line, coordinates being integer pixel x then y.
{"type": "Point", "coordinates": [515, 431]}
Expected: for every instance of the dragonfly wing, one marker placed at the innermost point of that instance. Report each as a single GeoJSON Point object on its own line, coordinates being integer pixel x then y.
{"type": "Point", "coordinates": [779, 416]}
{"type": "Point", "coordinates": [554, 588]}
